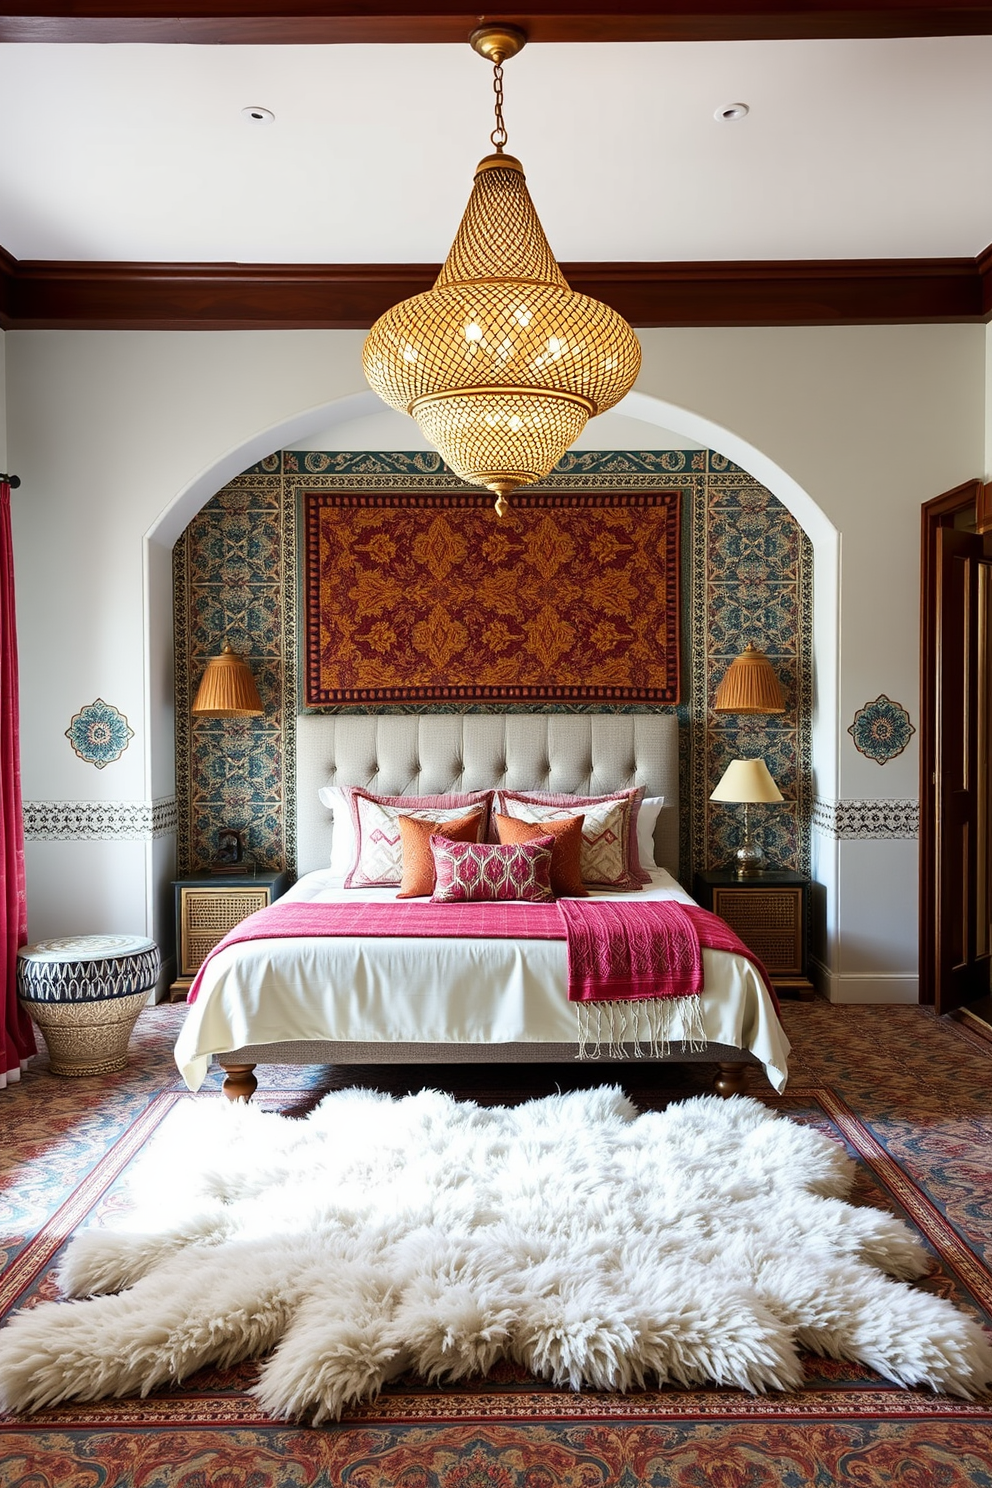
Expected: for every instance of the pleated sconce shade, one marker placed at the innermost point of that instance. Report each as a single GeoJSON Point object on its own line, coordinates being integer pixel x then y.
{"type": "Point", "coordinates": [227, 689]}
{"type": "Point", "coordinates": [749, 686]}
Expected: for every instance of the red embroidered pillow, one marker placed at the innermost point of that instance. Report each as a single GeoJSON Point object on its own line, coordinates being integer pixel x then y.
{"type": "Point", "coordinates": [471, 871]}
{"type": "Point", "coordinates": [566, 871]}
{"type": "Point", "coordinates": [415, 838]}
{"type": "Point", "coordinates": [609, 839]}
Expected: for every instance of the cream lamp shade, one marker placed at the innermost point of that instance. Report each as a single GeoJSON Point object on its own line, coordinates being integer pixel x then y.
{"type": "Point", "coordinates": [747, 781]}
{"type": "Point", "coordinates": [227, 689]}
{"type": "Point", "coordinates": [749, 685]}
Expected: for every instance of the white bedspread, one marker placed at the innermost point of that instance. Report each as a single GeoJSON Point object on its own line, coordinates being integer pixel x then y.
{"type": "Point", "coordinates": [405, 990]}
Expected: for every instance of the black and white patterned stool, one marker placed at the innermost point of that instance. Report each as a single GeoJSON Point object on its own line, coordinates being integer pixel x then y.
{"type": "Point", "coordinates": [85, 993]}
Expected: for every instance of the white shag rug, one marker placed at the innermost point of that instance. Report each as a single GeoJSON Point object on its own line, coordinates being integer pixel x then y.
{"type": "Point", "coordinates": [593, 1245]}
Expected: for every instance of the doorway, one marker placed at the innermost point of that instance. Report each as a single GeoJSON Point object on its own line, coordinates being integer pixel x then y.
{"type": "Point", "coordinates": [956, 751]}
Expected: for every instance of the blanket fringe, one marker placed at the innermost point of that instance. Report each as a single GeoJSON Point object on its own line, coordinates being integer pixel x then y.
{"type": "Point", "coordinates": [605, 1029]}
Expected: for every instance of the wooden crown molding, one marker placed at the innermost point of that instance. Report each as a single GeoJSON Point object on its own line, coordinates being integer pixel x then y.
{"type": "Point", "coordinates": [983, 263]}
{"type": "Point", "coordinates": [8, 271]}
{"type": "Point", "coordinates": [266, 22]}
{"type": "Point", "coordinates": [46, 294]}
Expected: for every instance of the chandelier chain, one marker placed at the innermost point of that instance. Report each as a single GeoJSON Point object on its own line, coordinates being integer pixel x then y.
{"type": "Point", "coordinates": [499, 135]}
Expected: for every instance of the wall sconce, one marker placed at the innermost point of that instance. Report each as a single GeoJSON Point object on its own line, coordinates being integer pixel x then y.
{"type": "Point", "coordinates": [749, 685]}
{"type": "Point", "coordinates": [227, 688]}
{"type": "Point", "coordinates": [746, 782]}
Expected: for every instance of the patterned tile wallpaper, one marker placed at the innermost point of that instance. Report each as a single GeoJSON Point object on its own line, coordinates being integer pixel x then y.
{"type": "Point", "coordinates": [747, 576]}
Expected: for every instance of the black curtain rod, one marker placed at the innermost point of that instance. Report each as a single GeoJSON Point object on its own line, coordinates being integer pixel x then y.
{"type": "Point", "coordinates": [13, 481]}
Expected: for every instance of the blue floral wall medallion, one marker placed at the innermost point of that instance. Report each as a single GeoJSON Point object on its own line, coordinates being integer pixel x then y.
{"type": "Point", "coordinates": [881, 729]}
{"type": "Point", "coordinates": [99, 734]}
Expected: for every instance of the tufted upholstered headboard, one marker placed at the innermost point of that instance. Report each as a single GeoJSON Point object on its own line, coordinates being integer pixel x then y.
{"type": "Point", "coordinates": [429, 753]}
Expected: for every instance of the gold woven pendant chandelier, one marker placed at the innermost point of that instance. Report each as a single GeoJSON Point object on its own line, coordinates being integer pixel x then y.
{"type": "Point", "coordinates": [501, 364]}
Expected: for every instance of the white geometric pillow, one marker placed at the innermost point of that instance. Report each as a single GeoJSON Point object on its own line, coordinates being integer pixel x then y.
{"type": "Point", "coordinates": [605, 858]}
{"type": "Point", "coordinates": [378, 845]}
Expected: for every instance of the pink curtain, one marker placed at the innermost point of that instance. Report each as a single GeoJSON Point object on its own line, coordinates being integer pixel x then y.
{"type": "Point", "coordinates": [16, 1034]}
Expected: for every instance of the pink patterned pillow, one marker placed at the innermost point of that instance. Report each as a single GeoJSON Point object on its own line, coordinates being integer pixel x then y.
{"type": "Point", "coordinates": [471, 871]}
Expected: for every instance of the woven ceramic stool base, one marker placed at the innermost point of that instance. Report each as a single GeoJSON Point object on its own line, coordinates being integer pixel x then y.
{"type": "Point", "coordinates": [87, 1038]}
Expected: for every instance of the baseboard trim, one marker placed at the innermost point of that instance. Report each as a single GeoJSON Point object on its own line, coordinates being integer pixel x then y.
{"type": "Point", "coordinates": [856, 987]}
{"type": "Point", "coordinates": [977, 1025]}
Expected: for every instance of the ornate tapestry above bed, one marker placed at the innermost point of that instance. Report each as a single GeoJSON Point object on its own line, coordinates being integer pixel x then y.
{"type": "Point", "coordinates": [424, 598]}
{"type": "Point", "coordinates": [746, 576]}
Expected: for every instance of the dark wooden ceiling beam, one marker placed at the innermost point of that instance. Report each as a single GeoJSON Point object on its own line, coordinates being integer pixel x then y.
{"type": "Point", "coordinates": [269, 22]}
{"type": "Point", "coordinates": [45, 294]}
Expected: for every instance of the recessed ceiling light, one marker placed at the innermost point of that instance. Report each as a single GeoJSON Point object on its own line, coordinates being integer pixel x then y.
{"type": "Point", "coordinates": [256, 115]}
{"type": "Point", "coordinates": [732, 111]}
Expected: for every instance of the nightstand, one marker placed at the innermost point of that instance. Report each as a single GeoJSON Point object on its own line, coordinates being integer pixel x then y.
{"type": "Point", "coordinates": [769, 911]}
{"type": "Point", "coordinates": [210, 904]}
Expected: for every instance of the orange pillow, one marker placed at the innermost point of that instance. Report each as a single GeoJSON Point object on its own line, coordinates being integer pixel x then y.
{"type": "Point", "coordinates": [415, 841]}
{"type": "Point", "coordinates": [566, 875]}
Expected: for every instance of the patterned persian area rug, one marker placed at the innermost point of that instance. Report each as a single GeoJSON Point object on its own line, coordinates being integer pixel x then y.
{"type": "Point", "coordinates": [905, 1097]}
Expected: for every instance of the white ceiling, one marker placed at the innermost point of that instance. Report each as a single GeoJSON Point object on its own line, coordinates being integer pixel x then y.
{"type": "Point", "coordinates": [852, 149]}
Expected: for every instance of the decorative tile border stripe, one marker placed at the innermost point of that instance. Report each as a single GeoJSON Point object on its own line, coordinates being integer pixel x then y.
{"type": "Point", "coordinates": [428, 462]}
{"type": "Point", "coordinates": [867, 820]}
{"type": "Point", "coordinates": [94, 821]}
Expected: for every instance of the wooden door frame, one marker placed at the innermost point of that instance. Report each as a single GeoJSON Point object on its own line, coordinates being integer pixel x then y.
{"type": "Point", "coordinates": [940, 512]}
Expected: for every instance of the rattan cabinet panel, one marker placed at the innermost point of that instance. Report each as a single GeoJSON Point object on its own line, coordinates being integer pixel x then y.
{"type": "Point", "coordinates": [769, 923]}
{"type": "Point", "coordinates": [769, 912]}
{"type": "Point", "coordinates": [207, 908]}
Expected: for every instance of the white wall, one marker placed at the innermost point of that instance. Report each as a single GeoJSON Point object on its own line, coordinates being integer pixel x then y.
{"type": "Point", "coordinates": [869, 422]}
{"type": "Point", "coordinates": [120, 436]}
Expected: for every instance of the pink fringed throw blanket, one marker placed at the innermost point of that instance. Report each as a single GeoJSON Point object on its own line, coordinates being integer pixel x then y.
{"type": "Point", "coordinates": [622, 951]}
{"type": "Point", "coordinates": [633, 966]}
{"type": "Point", "coordinates": [619, 952]}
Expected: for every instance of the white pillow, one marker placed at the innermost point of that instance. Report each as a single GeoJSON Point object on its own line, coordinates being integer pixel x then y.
{"type": "Point", "coordinates": [335, 799]}
{"type": "Point", "coordinates": [647, 819]}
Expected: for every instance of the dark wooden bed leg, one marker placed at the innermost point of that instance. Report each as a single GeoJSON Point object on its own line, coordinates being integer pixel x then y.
{"type": "Point", "coordinates": [730, 1079]}
{"type": "Point", "coordinates": [239, 1082]}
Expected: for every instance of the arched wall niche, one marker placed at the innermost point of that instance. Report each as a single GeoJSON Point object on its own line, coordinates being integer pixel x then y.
{"type": "Point", "coordinates": [649, 410]}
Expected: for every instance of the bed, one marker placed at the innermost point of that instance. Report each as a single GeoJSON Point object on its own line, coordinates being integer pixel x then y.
{"type": "Point", "coordinates": [355, 1000]}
